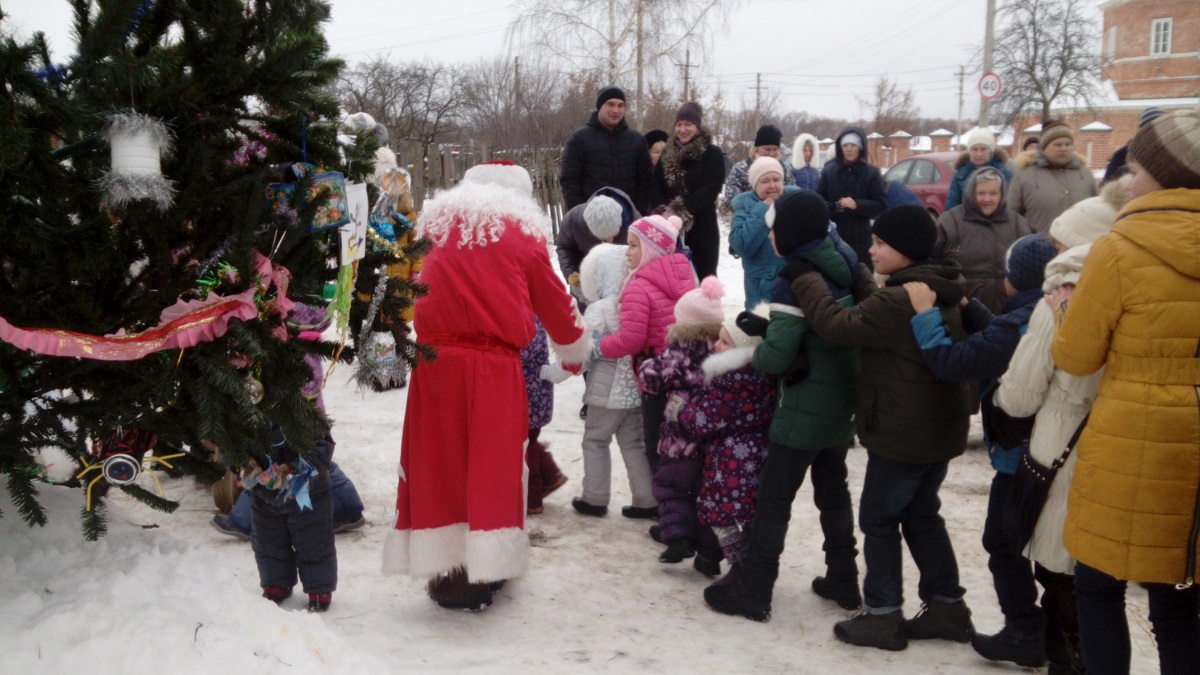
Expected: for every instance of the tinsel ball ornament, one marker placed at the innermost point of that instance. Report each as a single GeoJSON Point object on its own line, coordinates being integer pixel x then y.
{"type": "Point", "coordinates": [254, 389]}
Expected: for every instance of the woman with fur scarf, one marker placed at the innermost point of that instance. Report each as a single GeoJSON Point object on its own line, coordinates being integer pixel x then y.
{"type": "Point", "coordinates": [676, 372]}
{"type": "Point", "coordinates": [981, 151]}
{"type": "Point", "coordinates": [687, 180]}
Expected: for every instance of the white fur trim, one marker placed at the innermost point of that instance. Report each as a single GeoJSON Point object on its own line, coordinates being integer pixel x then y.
{"type": "Point", "coordinates": [507, 176]}
{"type": "Point", "coordinates": [798, 152]}
{"type": "Point", "coordinates": [480, 213]}
{"type": "Point", "coordinates": [577, 351]}
{"type": "Point", "coordinates": [727, 361]}
{"type": "Point", "coordinates": [787, 309]}
{"type": "Point", "coordinates": [487, 555]}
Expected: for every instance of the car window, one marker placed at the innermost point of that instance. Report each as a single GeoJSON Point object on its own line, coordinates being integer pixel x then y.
{"type": "Point", "coordinates": [898, 172]}
{"type": "Point", "coordinates": [923, 173]}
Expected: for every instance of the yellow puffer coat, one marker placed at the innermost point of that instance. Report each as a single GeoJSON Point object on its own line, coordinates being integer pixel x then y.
{"type": "Point", "coordinates": [1134, 508]}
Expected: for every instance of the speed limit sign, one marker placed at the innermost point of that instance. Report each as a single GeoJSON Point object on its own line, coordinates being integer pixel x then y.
{"type": "Point", "coordinates": [989, 86]}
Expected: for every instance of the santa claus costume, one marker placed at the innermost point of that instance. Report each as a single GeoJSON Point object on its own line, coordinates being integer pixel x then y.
{"type": "Point", "coordinates": [460, 507]}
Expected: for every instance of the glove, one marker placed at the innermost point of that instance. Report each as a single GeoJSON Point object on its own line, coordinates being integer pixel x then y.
{"type": "Point", "coordinates": [797, 371]}
{"type": "Point", "coordinates": [674, 404]}
{"type": "Point", "coordinates": [795, 268]}
{"type": "Point", "coordinates": [752, 324]}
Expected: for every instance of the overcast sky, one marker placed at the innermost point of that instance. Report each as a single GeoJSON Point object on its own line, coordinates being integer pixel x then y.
{"type": "Point", "coordinates": [817, 54]}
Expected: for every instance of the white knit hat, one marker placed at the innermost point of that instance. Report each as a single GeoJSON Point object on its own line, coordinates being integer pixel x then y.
{"type": "Point", "coordinates": [981, 136]}
{"type": "Point", "coordinates": [1088, 220]}
{"type": "Point", "coordinates": [603, 217]}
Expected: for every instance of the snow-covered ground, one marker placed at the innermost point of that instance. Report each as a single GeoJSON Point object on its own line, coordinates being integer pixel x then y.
{"type": "Point", "coordinates": [168, 594]}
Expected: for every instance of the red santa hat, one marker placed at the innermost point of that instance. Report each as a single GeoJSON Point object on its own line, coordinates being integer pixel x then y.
{"type": "Point", "coordinates": [491, 199]}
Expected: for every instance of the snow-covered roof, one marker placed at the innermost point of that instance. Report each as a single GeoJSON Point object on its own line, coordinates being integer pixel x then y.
{"type": "Point", "coordinates": [941, 133]}
{"type": "Point", "coordinates": [874, 134]}
{"type": "Point", "coordinates": [1035, 129]}
{"type": "Point", "coordinates": [901, 134]}
{"type": "Point", "coordinates": [825, 140]}
{"type": "Point", "coordinates": [1096, 126]}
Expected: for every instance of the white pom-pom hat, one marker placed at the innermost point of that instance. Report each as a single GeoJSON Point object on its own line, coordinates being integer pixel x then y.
{"type": "Point", "coordinates": [702, 305]}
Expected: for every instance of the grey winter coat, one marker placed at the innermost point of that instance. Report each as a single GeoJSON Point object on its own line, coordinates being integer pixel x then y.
{"type": "Point", "coordinates": [1041, 192]}
{"type": "Point", "coordinates": [979, 243]}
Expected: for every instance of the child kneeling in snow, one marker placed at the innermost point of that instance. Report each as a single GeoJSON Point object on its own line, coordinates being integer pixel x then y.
{"type": "Point", "coordinates": [676, 373]}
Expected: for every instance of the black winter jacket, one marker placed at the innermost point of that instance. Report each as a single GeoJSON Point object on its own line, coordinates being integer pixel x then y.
{"type": "Point", "coordinates": [694, 174]}
{"type": "Point", "coordinates": [904, 412]}
{"type": "Point", "coordinates": [574, 239]}
{"type": "Point", "coordinates": [860, 181]}
{"type": "Point", "coordinates": [596, 157]}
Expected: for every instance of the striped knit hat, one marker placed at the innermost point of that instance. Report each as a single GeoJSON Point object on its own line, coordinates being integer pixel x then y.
{"type": "Point", "coordinates": [1169, 149]}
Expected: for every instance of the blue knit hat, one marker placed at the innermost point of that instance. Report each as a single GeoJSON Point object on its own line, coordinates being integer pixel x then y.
{"type": "Point", "coordinates": [1025, 267]}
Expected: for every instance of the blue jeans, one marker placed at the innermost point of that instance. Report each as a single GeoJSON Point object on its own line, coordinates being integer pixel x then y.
{"type": "Point", "coordinates": [347, 505]}
{"type": "Point", "coordinates": [1104, 628]}
{"type": "Point", "coordinates": [899, 497]}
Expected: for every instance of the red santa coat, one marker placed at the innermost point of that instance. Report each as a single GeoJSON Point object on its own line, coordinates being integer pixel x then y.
{"type": "Point", "coordinates": [461, 496]}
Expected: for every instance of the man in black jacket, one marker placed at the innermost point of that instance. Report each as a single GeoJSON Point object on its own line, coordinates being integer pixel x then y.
{"type": "Point", "coordinates": [853, 189]}
{"type": "Point", "coordinates": [605, 152]}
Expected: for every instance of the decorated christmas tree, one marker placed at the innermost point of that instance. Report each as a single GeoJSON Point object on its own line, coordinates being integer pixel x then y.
{"type": "Point", "coordinates": [156, 238]}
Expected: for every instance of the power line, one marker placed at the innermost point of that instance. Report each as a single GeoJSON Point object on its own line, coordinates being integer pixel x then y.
{"type": "Point", "coordinates": [423, 25]}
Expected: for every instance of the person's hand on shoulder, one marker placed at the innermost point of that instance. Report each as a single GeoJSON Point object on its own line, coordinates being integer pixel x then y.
{"type": "Point", "coordinates": [920, 295]}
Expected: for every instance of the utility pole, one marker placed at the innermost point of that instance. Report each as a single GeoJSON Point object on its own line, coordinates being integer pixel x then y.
{"type": "Point", "coordinates": [962, 74]}
{"type": "Point", "coordinates": [758, 100]}
{"type": "Point", "coordinates": [516, 83]}
{"type": "Point", "coordinates": [687, 72]}
{"type": "Point", "coordinates": [638, 111]}
{"type": "Point", "coordinates": [988, 45]}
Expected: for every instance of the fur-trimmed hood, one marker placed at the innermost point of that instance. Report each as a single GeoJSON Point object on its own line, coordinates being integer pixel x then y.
{"type": "Point", "coordinates": [798, 152]}
{"type": "Point", "coordinates": [964, 157]}
{"type": "Point", "coordinates": [1065, 268]}
{"type": "Point", "coordinates": [726, 362]}
{"type": "Point", "coordinates": [603, 272]}
{"type": "Point", "coordinates": [687, 332]}
{"type": "Point", "coordinates": [479, 212]}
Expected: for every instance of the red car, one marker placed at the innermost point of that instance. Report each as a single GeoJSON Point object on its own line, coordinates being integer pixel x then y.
{"type": "Point", "coordinates": [928, 176]}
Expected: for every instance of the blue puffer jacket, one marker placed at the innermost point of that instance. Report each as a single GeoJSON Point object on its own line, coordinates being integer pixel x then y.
{"type": "Point", "coordinates": [748, 238]}
{"type": "Point", "coordinates": [984, 355]}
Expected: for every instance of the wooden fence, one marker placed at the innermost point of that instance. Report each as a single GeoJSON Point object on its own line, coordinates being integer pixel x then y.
{"type": "Point", "coordinates": [444, 167]}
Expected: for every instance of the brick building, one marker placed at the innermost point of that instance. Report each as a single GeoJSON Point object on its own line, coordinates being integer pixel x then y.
{"type": "Point", "coordinates": [1151, 58]}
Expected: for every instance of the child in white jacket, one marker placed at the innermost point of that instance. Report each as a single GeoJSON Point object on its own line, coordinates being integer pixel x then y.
{"type": "Point", "coordinates": [1034, 386]}
{"type": "Point", "coordinates": [611, 394]}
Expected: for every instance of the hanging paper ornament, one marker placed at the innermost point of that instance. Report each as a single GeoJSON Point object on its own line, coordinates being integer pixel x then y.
{"type": "Point", "coordinates": [138, 144]}
{"type": "Point", "coordinates": [254, 389]}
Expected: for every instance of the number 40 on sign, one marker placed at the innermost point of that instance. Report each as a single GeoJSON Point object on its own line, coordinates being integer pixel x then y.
{"type": "Point", "coordinates": [989, 86]}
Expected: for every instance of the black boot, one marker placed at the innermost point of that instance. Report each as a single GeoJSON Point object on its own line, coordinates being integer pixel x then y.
{"type": "Point", "coordinates": [454, 591]}
{"type": "Point", "coordinates": [941, 621]}
{"type": "Point", "coordinates": [677, 549]}
{"type": "Point", "coordinates": [707, 566]}
{"type": "Point", "coordinates": [1026, 649]}
{"type": "Point", "coordinates": [737, 599]}
{"type": "Point", "coordinates": [883, 631]}
{"type": "Point", "coordinates": [589, 509]}
{"type": "Point", "coordinates": [845, 594]}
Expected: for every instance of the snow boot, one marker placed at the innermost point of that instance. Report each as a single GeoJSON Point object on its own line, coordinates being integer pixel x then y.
{"type": "Point", "coordinates": [319, 602]}
{"type": "Point", "coordinates": [656, 533]}
{"type": "Point", "coordinates": [677, 549]}
{"type": "Point", "coordinates": [454, 591]}
{"type": "Point", "coordinates": [845, 594]}
{"type": "Point", "coordinates": [737, 599]}
{"type": "Point", "coordinates": [276, 594]}
{"type": "Point", "coordinates": [589, 509]}
{"type": "Point", "coordinates": [640, 512]}
{"type": "Point", "coordinates": [1026, 649]}
{"type": "Point", "coordinates": [883, 631]}
{"type": "Point", "coordinates": [707, 566]}
{"type": "Point", "coordinates": [941, 621]}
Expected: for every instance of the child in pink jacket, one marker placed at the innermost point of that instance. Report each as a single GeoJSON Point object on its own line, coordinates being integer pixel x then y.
{"type": "Point", "coordinates": [660, 277]}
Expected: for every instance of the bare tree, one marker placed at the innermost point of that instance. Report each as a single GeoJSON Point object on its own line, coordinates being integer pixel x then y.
{"type": "Point", "coordinates": [1045, 51]}
{"type": "Point", "coordinates": [521, 104]}
{"type": "Point", "coordinates": [618, 38]}
{"type": "Point", "coordinates": [889, 109]}
{"type": "Point", "coordinates": [417, 101]}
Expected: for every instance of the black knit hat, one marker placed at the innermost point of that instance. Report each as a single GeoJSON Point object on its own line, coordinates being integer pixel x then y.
{"type": "Point", "coordinates": [656, 136]}
{"type": "Point", "coordinates": [768, 134]}
{"type": "Point", "coordinates": [689, 112]}
{"type": "Point", "coordinates": [609, 92]}
{"type": "Point", "coordinates": [798, 218]}
{"type": "Point", "coordinates": [1025, 264]}
{"type": "Point", "coordinates": [909, 229]}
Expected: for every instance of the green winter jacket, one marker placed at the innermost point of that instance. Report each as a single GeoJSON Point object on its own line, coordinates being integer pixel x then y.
{"type": "Point", "coordinates": [818, 412]}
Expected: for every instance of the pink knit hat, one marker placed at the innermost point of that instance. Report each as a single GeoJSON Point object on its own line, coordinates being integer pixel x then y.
{"type": "Point", "coordinates": [657, 236]}
{"type": "Point", "coordinates": [702, 305]}
{"type": "Point", "coordinates": [761, 167]}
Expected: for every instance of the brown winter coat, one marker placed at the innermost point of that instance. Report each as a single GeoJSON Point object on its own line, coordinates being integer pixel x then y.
{"type": "Point", "coordinates": [1041, 192]}
{"type": "Point", "coordinates": [979, 243]}
{"type": "Point", "coordinates": [904, 412]}
{"type": "Point", "coordinates": [1134, 507]}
